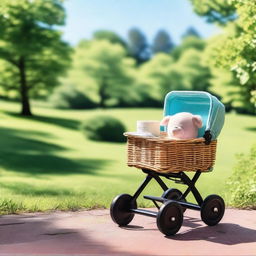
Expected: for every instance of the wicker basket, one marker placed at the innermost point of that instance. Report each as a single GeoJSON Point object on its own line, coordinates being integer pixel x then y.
{"type": "Point", "coordinates": [165, 155]}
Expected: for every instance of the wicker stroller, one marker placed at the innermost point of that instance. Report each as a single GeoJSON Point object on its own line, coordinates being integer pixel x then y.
{"type": "Point", "coordinates": [170, 159]}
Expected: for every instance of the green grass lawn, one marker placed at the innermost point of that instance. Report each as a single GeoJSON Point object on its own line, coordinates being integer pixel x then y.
{"type": "Point", "coordinates": [46, 163]}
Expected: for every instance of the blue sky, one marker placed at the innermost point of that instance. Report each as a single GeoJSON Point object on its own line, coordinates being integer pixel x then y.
{"type": "Point", "coordinates": [175, 16]}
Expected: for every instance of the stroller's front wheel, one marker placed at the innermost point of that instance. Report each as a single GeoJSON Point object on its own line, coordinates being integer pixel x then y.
{"type": "Point", "coordinates": [170, 218]}
{"type": "Point", "coordinates": [120, 209]}
{"type": "Point", "coordinates": [212, 210]}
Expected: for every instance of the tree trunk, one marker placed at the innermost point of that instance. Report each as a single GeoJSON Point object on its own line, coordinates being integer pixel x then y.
{"type": "Point", "coordinates": [25, 110]}
{"type": "Point", "coordinates": [102, 93]}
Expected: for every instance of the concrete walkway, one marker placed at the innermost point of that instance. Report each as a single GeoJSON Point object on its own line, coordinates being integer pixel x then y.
{"type": "Point", "coordinates": [94, 233]}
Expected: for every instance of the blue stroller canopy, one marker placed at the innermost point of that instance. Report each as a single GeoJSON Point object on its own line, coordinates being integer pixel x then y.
{"type": "Point", "coordinates": [200, 103]}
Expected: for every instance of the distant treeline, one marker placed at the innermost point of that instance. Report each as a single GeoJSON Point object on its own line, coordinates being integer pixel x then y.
{"type": "Point", "coordinates": [110, 71]}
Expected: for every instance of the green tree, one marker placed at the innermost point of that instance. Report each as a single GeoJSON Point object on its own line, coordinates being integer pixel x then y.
{"type": "Point", "coordinates": [138, 45]}
{"type": "Point", "coordinates": [219, 11]}
{"type": "Point", "coordinates": [162, 74]}
{"type": "Point", "coordinates": [223, 82]}
{"type": "Point", "coordinates": [102, 72]}
{"type": "Point", "coordinates": [31, 48]}
{"type": "Point", "coordinates": [110, 36]}
{"type": "Point", "coordinates": [196, 75]}
{"type": "Point", "coordinates": [235, 49]}
{"type": "Point", "coordinates": [162, 42]}
{"type": "Point", "coordinates": [191, 31]}
{"type": "Point", "coordinates": [155, 77]}
{"type": "Point", "coordinates": [189, 42]}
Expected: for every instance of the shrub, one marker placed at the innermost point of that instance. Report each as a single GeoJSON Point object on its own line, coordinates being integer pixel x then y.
{"type": "Point", "coordinates": [242, 183]}
{"type": "Point", "coordinates": [104, 128]}
{"type": "Point", "coordinates": [66, 96]}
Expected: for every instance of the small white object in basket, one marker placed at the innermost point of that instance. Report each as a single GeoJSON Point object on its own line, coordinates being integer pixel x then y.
{"type": "Point", "coordinates": [147, 128]}
{"type": "Point", "coordinates": [140, 134]}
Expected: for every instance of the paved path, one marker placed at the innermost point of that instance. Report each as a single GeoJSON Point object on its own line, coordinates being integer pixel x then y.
{"type": "Point", "coordinates": [93, 232]}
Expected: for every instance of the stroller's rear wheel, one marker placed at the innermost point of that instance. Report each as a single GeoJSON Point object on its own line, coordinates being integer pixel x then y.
{"type": "Point", "coordinates": [212, 210]}
{"type": "Point", "coordinates": [170, 218]}
{"type": "Point", "coordinates": [120, 209]}
{"type": "Point", "coordinates": [174, 194]}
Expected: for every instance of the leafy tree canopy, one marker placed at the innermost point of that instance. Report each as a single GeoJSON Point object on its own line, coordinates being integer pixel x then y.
{"type": "Point", "coordinates": [189, 42]}
{"type": "Point", "coordinates": [162, 42]}
{"type": "Point", "coordinates": [219, 11]}
{"type": "Point", "coordinates": [109, 36]}
{"type": "Point", "coordinates": [102, 72]}
{"type": "Point", "coordinates": [162, 74]}
{"type": "Point", "coordinates": [235, 49]}
{"type": "Point", "coordinates": [31, 48]}
{"type": "Point", "coordinates": [196, 74]}
{"type": "Point", "coordinates": [191, 31]}
{"type": "Point", "coordinates": [138, 45]}
{"type": "Point", "coordinates": [154, 76]}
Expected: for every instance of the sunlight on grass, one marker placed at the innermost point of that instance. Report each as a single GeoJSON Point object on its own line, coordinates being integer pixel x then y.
{"type": "Point", "coordinates": [47, 163]}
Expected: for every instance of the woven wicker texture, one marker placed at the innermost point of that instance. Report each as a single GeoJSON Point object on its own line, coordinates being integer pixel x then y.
{"type": "Point", "coordinates": [165, 155]}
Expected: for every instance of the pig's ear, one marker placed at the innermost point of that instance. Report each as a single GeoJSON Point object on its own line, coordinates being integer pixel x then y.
{"type": "Point", "coordinates": [197, 120]}
{"type": "Point", "coordinates": [165, 120]}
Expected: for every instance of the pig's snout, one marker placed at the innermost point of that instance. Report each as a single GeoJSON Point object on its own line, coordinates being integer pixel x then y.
{"type": "Point", "coordinates": [176, 130]}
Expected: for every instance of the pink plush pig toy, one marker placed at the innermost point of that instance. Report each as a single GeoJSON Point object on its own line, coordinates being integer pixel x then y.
{"type": "Point", "coordinates": [182, 125]}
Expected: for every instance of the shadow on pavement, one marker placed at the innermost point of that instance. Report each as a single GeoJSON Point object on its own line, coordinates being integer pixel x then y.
{"type": "Point", "coordinates": [137, 228]}
{"type": "Point", "coordinates": [223, 233]}
{"type": "Point", "coordinates": [41, 235]}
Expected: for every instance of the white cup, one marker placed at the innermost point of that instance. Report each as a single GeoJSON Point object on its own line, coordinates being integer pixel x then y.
{"type": "Point", "coordinates": [148, 126]}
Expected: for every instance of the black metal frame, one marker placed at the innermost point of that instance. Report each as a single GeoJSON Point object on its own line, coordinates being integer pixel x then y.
{"type": "Point", "coordinates": [181, 178]}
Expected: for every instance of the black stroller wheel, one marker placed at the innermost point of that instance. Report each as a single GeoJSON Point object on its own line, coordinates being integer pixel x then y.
{"type": "Point", "coordinates": [169, 218]}
{"type": "Point", "coordinates": [120, 209]}
{"type": "Point", "coordinates": [212, 210]}
{"type": "Point", "coordinates": [174, 194]}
